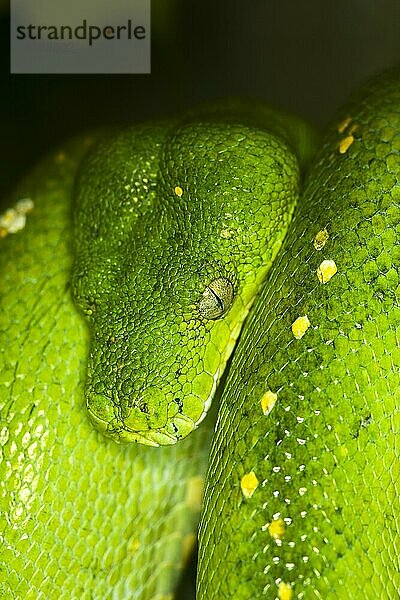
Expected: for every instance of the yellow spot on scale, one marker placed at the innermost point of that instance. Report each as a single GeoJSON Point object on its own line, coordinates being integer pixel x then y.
{"type": "Point", "coordinates": [277, 529]}
{"type": "Point", "coordinates": [344, 124]}
{"type": "Point", "coordinates": [345, 144]}
{"type": "Point", "coordinates": [249, 484]}
{"type": "Point", "coordinates": [226, 233]}
{"type": "Point", "coordinates": [300, 326]}
{"type": "Point", "coordinates": [178, 191]}
{"type": "Point", "coordinates": [285, 591]}
{"type": "Point", "coordinates": [268, 401]}
{"type": "Point", "coordinates": [320, 239]}
{"type": "Point", "coordinates": [326, 270]}
{"type": "Point", "coordinates": [194, 492]}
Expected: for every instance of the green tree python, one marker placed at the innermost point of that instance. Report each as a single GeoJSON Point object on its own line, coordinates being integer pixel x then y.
{"type": "Point", "coordinates": [129, 261]}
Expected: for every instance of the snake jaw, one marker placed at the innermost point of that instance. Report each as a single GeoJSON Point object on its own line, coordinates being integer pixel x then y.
{"type": "Point", "coordinates": [142, 427]}
{"type": "Point", "coordinates": [177, 429]}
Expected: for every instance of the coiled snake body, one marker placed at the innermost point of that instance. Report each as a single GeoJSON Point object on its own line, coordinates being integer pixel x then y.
{"type": "Point", "coordinates": [129, 264]}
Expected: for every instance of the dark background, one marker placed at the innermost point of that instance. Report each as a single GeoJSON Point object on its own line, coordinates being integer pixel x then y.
{"type": "Point", "coordinates": [302, 55]}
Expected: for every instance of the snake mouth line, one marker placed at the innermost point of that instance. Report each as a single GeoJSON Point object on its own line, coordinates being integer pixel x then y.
{"type": "Point", "coordinates": [117, 430]}
{"type": "Point", "coordinates": [174, 429]}
{"type": "Point", "coordinates": [168, 435]}
{"type": "Point", "coordinates": [177, 429]}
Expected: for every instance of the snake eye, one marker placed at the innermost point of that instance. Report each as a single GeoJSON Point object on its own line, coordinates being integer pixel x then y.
{"type": "Point", "coordinates": [216, 299]}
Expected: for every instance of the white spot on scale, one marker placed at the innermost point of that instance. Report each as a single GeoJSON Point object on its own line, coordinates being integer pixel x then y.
{"type": "Point", "coordinates": [276, 516]}
{"type": "Point", "coordinates": [14, 219]}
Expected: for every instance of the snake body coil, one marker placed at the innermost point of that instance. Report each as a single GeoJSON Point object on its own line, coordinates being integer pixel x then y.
{"type": "Point", "coordinates": [166, 236]}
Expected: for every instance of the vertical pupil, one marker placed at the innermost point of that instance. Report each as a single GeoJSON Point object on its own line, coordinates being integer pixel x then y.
{"type": "Point", "coordinates": [219, 300]}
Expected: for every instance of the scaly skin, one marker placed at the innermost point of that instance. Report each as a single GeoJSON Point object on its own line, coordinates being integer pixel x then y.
{"type": "Point", "coordinates": [83, 517]}
{"type": "Point", "coordinates": [173, 223]}
{"type": "Point", "coordinates": [73, 503]}
{"type": "Point", "coordinates": [322, 521]}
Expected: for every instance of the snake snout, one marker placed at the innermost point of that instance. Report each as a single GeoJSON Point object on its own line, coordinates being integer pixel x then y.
{"type": "Point", "coordinates": [152, 419]}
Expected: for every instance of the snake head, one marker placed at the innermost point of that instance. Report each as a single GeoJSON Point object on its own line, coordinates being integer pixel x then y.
{"type": "Point", "coordinates": [176, 226]}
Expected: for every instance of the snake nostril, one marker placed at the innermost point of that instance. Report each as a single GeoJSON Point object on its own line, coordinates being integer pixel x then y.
{"type": "Point", "coordinates": [148, 411]}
